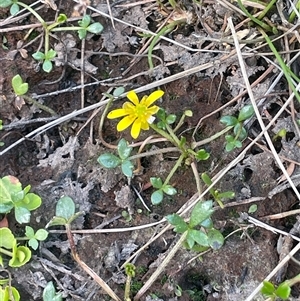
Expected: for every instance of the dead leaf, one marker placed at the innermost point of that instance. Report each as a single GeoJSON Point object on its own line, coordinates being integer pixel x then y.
{"type": "Point", "coordinates": [289, 170]}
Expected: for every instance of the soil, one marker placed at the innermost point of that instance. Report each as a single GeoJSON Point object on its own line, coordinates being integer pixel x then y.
{"type": "Point", "coordinates": [63, 160]}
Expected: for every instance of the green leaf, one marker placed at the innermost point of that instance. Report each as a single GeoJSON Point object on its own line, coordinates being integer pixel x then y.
{"type": "Point", "coordinates": [118, 91]}
{"type": "Point", "coordinates": [199, 237]}
{"type": "Point", "coordinates": [31, 201]}
{"type": "Point", "coordinates": [29, 232]}
{"type": "Point", "coordinates": [156, 182]}
{"type": "Point", "coordinates": [47, 66]}
{"type": "Point", "coordinates": [161, 125]}
{"type": "Point", "coordinates": [95, 28]}
{"type": "Point", "coordinates": [124, 150]}
{"type": "Point", "coordinates": [1, 124]}
{"type": "Point", "coordinates": [57, 221]}
{"type": "Point", "coordinates": [109, 160]}
{"type": "Point", "coordinates": [22, 215]}
{"type": "Point", "coordinates": [7, 238]}
{"type": "Point", "coordinates": [157, 197]}
{"type": "Point", "coordinates": [127, 168]}
{"type": "Point", "coordinates": [268, 288]}
{"type": "Point", "coordinates": [6, 293]}
{"type": "Point", "coordinates": [65, 207]}
{"type": "Point", "coordinates": [9, 186]}
{"type": "Point", "coordinates": [49, 293]}
{"type": "Point", "coordinates": [202, 155]}
{"type": "Point", "coordinates": [20, 88]}
{"type": "Point", "coordinates": [21, 255]}
{"type": "Point", "coordinates": [85, 21]}
{"type": "Point", "coordinates": [82, 33]}
{"type": "Point", "coordinates": [215, 239]}
{"type": "Point", "coordinates": [245, 113]}
{"type": "Point", "coordinates": [206, 179]}
{"type": "Point", "coordinates": [41, 234]}
{"type": "Point", "coordinates": [201, 212]}
{"type": "Point", "coordinates": [240, 131]}
{"type": "Point", "coordinates": [283, 291]}
{"type": "Point", "coordinates": [62, 18]}
{"type": "Point", "coordinates": [39, 56]}
{"type": "Point", "coordinates": [177, 221]}
{"type": "Point", "coordinates": [161, 114]}
{"type": "Point", "coordinates": [190, 242]}
{"type": "Point", "coordinates": [169, 190]}
{"type": "Point", "coordinates": [207, 223]}
{"type": "Point", "coordinates": [5, 3]}
{"type": "Point", "coordinates": [51, 54]}
{"type": "Point", "coordinates": [252, 208]}
{"type": "Point", "coordinates": [171, 119]}
{"type": "Point", "coordinates": [33, 243]}
{"type": "Point", "coordinates": [229, 120]}
{"type": "Point", "coordinates": [14, 9]}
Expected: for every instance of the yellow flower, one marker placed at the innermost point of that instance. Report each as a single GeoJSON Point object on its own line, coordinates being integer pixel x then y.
{"type": "Point", "coordinates": [137, 113]}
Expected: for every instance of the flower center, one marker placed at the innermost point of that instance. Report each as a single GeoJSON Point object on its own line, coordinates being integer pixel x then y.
{"type": "Point", "coordinates": [140, 110]}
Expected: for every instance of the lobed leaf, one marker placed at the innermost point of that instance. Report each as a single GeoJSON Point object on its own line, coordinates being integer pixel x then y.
{"type": "Point", "coordinates": [177, 221]}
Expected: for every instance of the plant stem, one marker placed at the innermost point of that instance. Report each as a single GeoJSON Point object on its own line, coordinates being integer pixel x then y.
{"type": "Point", "coordinates": [6, 252]}
{"type": "Point", "coordinates": [127, 289]}
{"type": "Point", "coordinates": [213, 137]}
{"type": "Point", "coordinates": [162, 32]}
{"type": "Point", "coordinates": [173, 135]}
{"type": "Point", "coordinates": [175, 167]}
{"type": "Point", "coordinates": [42, 21]}
{"type": "Point", "coordinates": [164, 134]}
{"type": "Point", "coordinates": [39, 105]}
{"type": "Point", "coordinates": [196, 176]}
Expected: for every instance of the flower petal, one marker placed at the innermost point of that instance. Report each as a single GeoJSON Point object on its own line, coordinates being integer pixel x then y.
{"type": "Point", "coordinates": [129, 107]}
{"type": "Point", "coordinates": [154, 96]}
{"type": "Point", "coordinates": [144, 125]}
{"type": "Point", "coordinates": [117, 113]}
{"type": "Point", "coordinates": [125, 123]}
{"type": "Point", "coordinates": [131, 95]}
{"type": "Point", "coordinates": [136, 128]}
{"type": "Point", "coordinates": [153, 110]}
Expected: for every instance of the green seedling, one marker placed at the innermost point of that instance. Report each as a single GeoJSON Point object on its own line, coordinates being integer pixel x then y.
{"type": "Point", "coordinates": [64, 215]}
{"type": "Point", "coordinates": [164, 119]}
{"type": "Point", "coordinates": [46, 58]}
{"type": "Point", "coordinates": [272, 293]}
{"type": "Point", "coordinates": [48, 55]}
{"type": "Point", "coordinates": [50, 294]}
{"type": "Point", "coordinates": [240, 133]}
{"type": "Point", "coordinates": [109, 160]}
{"type": "Point", "coordinates": [130, 273]}
{"type": "Point", "coordinates": [21, 88]}
{"type": "Point", "coordinates": [34, 237]}
{"type": "Point", "coordinates": [218, 196]}
{"type": "Point", "coordinates": [8, 292]}
{"type": "Point", "coordinates": [280, 134]}
{"type": "Point", "coordinates": [283, 290]}
{"type": "Point", "coordinates": [12, 196]}
{"type": "Point", "coordinates": [8, 246]}
{"type": "Point", "coordinates": [158, 195]}
{"type": "Point", "coordinates": [200, 234]}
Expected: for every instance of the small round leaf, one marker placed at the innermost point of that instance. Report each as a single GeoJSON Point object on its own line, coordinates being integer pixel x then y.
{"type": "Point", "coordinates": [157, 197]}
{"type": "Point", "coordinates": [245, 113]}
{"type": "Point", "coordinates": [215, 239]}
{"type": "Point", "coordinates": [109, 160]}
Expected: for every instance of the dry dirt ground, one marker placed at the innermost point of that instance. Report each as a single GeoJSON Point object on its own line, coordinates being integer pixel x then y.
{"type": "Point", "coordinates": [63, 159]}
